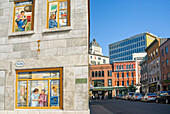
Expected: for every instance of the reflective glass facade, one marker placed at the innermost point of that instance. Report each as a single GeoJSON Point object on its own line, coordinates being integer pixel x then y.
{"type": "Point", "coordinates": [124, 49]}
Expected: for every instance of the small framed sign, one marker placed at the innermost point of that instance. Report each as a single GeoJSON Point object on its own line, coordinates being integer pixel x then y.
{"type": "Point", "coordinates": [19, 64]}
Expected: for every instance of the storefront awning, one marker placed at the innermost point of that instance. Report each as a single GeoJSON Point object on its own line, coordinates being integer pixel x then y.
{"type": "Point", "coordinates": [101, 88]}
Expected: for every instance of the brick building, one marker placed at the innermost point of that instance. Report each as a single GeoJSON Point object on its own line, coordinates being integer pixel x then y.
{"type": "Point", "coordinates": [154, 68]}
{"type": "Point", "coordinates": [101, 80]}
{"type": "Point", "coordinates": [44, 50]}
{"type": "Point", "coordinates": [165, 66]}
{"type": "Point", "coordinates": [124, 75]}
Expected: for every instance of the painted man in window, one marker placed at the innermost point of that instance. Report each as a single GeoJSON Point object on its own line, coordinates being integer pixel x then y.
{"type": "Point", "coordinates": [21, 21]}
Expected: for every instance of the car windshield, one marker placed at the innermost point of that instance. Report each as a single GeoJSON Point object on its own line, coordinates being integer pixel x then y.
{"type": "Point", "coordinates": [137, 94]}
{"type": "Point", "coordinates": [131, 93]}
{"type": "Point", "coordinates": [151, 94]}
{"type": "Point", "coordinates": [169, 92]}
{"type": "Point", "coordinates": [163, 91]}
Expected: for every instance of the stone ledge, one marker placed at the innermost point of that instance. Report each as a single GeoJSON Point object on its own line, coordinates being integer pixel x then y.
{"type": "Point", "coordinates": [21, 33]}
{"type": "Point", "coordinates": [58, 29]}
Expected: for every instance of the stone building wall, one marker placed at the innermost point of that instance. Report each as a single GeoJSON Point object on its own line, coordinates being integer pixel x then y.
{"type": "Point", "coordinates": [63, 47]}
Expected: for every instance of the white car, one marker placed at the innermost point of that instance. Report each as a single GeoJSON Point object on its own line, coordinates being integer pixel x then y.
{"type": "Point", "coordinates": [136, 96]}
{"type": "Point", "coordinates": [149, 97]}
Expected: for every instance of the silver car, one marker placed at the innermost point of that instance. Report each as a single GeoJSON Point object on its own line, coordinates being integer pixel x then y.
{"type": "Point", "coordinates": [149, 97]}
{"type": "Point", "coordinates": [129, 95]}
{"type": "Point", "coordinates": [136, 96]}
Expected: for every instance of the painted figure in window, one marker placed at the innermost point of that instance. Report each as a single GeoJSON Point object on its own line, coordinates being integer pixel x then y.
{"type": "Point", "coordinates": [21, 21]}
{"type": "Point", "coordinates": [52, 21]}
{"type": "Point", "coordinates": [53, 92]}
{"type": "Point", "coordinates": [43, 99]}
{"type": "Point", "coordinates": [35, 98]}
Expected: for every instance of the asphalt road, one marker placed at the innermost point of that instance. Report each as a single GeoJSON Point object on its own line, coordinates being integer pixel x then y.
{"type": "Point", "coordinates": [127, 107]}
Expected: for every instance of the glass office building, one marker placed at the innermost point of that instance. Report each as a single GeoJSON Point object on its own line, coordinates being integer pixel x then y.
{"type": "Point", "coordinates": [123, 50]}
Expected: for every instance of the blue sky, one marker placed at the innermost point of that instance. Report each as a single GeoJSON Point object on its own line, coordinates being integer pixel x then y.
{"type": "Point", "coordinates": [114, 20]}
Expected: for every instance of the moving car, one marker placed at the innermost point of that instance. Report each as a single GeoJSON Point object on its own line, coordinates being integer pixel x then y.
{"type": "Point", "coordinates": [149, 97]}
{"type": "Point", "coordinates": [163, 96]}
{"type": "Point", "coordinates": [129, 95]}
{"type": "Point", "coordinates": [136, 96]}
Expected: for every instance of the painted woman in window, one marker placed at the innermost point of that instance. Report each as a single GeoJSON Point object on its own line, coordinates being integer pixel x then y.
{"type": "Point", "coordinates": [52, 21]}
{"type": "Point", "coordinates": [43, 99]}
{"type": "Point", "coordinates": [21, 21]}
{"type": "Point", "coordinates": [35, 98]}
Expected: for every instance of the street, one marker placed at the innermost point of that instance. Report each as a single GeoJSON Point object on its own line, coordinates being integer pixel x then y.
{"type": "Point", "coordinates": [127, 107]}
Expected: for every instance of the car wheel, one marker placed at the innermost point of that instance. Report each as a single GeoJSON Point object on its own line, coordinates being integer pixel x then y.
{"type": "Point", "coordinates": [157, 101]}
{"type": "Point", "coordinates": [166, 101]}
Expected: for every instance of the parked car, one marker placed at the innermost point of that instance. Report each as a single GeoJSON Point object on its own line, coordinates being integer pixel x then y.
{"type": "Point", "coordinates": [123, 97]}
{"type": "Point", "coordinates": [136, 96]}
{"type": "Point", "coordinates": [149, 97]}
{"type": "Point", "coordinates": [129, 95]}
{"type": "Point", "coordinates": [118, 96]}
{"type": "Point", "coordinates": [163, 96]}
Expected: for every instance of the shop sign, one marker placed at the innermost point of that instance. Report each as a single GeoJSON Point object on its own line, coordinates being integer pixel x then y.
{"type": "Point", "coordinates": [19, 64]}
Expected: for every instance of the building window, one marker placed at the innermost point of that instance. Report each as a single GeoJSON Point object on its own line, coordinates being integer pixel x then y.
{"type": "Point", "coordinates": [132, 74]}
{"type": "Point", "coordinates": [110, 73]}
{"type": "Point", "coordinates": [163, 64]}
{"type": "Point", "coordinates": [122, 66]}
{"type": "Point", "coordinates": [166, 49]}
{"type": "Point", "coordinates": [92, 73]}
{"type": "Point", "coordinates": [168, 76]}
{"type": "Point", "coordinates": [99, 58]}
{"type": "Point", "coordinates": [117, 83]}
{"type": "Point", "coordinates": [58, 13]}
{"type": "Point", "coordinates": [117, 75]}
{"type": "Point", "coordinates": [132, 66]}
{"type": "Point", "coordinates": [99, 73]}
{"type": "Point", "coordinates": [23, 16]}
{"type": "Point", "coordinates": [127, 83]}
{"type": "Point", "coordinates": [109, 82]}
{"type": "Point", "coordinates": [122, 75]}
{"type": "Point", "coordinates": [167, 62]}
{"type": "Point", "coordinates": [104, 61]}
{"type": "Point", "coordinates": [127, 74]}
{"type": "Point", "coordinates": [122, 83]}
{"type": "Point", "coordinates": [98, 63]}
{"type": "Point", "coordinates": [126, 66]}
{"type": "Point", "coordinates": [102, 73]}
{"type": "Point", "coordinates": [91, 57]}
{"type": "Point", "coordinates": [43, 84]}
{"type": "Point", "coordinates": [157, 52]}
{"type": "Point", "coordinates": [164, 77]}
{"type": "Point", "coordinates": [117, 67]}
{"type": "Point", "coordinates": [96, 74]}
{"type": "Point", "coordinates": [132, 82]}
{"type": "Point", "coordinates": [162, 52]}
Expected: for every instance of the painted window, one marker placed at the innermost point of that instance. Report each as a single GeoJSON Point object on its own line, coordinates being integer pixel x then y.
{"type": "Point", "coordinates": [132, 82]}
{"type": "Point", "coordinates": [132, 74]}
{"type": "Point", "coordinates": [127, 75]}
{"type": "Point", "coordinates": [39, 89]}
{"type": "Point", "coordinates": [23, 18]}
{"type": "Point", "coordinates": [58, 13]}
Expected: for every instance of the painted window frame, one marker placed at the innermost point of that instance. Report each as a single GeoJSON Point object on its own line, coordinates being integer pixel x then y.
{"type": "Point", "coordinates": [49, 79]}
{"type": "Point", "coordinates": [68, 13]}
{"type": "Point", "coordinates": [32, 18]}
